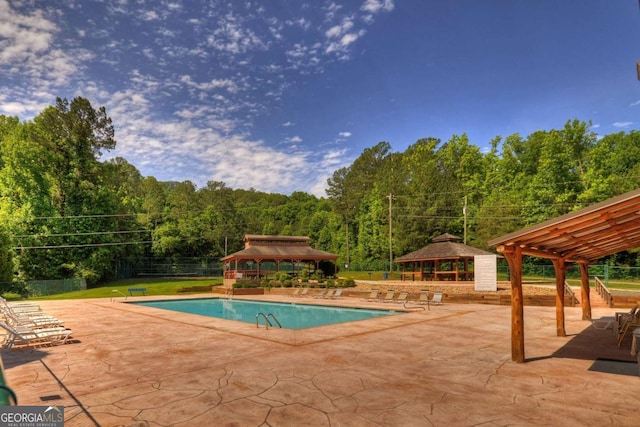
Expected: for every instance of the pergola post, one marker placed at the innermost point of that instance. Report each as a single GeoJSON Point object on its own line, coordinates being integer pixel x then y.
{"type": "Point", "coordinates": [514, 259]}
{"type": "Point", "coordinates": [560, 270]}
{"type": "Point", "coordinates": [585, 290]}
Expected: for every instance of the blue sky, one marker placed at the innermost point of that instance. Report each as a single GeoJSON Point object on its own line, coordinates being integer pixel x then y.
{"type": "Point", "coordinates": [277, 95]}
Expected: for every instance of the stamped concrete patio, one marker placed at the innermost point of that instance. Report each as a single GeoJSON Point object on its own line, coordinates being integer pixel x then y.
{"type": "Point", "coordinates": [450, 366]}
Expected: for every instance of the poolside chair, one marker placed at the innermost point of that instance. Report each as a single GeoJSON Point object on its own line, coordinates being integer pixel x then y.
{"type": "Point", "coordinates": [389, 296]}
{"type": "Point", "coordinates": [622, 316]}
{"type": "Point", "coordinates": [631, 323]}
{"type": "Point", "coordinates": [424, 297]}
{"type": "Point", "coordinates": [22, 307]}
{"type": "Point", "coordinates": [437, 298]}
{"type": "Point", "coordinates": [304, 292]}
{"type": "Point", "coordinates": [23, 336]}
{"type": "Point", "coordinates": [33, 322]}
{"type": "Point", "coordinates": [296, 292]}
{"type": "Point", "coordinates": [373, 296]}
{"type": "Point", "coordinates": [322, 294]}
{"type": "Point", "coordinates": [402, 298]}
{"type": "Point", "coordinates": [328, 294]}
{"type": "Point", "coordinates": [27, 318]}
{"type": "Point", "coordinates": [603, 323]}
{"type": "Point", "coordinates": [337, 294]}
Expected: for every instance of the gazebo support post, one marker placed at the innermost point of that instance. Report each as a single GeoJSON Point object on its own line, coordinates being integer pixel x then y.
{"type": "Point", "coordinates": [560, 270]}
{"type": "Point", "coordinates": [585, 290]}
{"type": "Point", "coordinates": [514, 259]}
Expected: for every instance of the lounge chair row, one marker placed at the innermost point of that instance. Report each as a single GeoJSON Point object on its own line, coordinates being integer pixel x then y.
{"type": "Point", "coordinates": [390, 296]}
{"type": "Point", "coordinates": [325, 293]}
{"type": "Point", "coordinates": [25, 324]}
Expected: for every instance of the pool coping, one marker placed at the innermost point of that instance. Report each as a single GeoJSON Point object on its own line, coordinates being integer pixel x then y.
{"type": "Point", "coordinates": [294, 337]}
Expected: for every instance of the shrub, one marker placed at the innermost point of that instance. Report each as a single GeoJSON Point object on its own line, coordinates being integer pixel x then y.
{"type": "Point", "coordinates": [346, 283]}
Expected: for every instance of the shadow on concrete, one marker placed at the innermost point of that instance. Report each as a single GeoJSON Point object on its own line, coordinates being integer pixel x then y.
{"type": "Point", "coordinates": [17, 357]}
{"type": "Point", "coordinates": [592, 344]}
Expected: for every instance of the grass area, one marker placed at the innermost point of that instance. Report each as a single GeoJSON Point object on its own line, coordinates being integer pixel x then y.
{"type": "Point", "coordinates": [154, 286]}
{"type": "Point", "coordinates": [170, 286]}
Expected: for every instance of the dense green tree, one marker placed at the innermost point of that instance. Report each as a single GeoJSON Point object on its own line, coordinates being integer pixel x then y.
{"type": "Point", "coordinates": [6, 261]}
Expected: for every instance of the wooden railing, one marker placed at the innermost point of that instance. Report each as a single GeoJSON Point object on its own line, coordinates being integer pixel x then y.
{"type": "Point", "coordinates": [604, 293]}
{"type": "Point", "coordinates": [569, 291]}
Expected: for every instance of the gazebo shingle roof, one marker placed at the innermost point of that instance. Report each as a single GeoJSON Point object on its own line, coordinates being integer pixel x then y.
{"type": "Point", "coordinates": [261, 247]}
{"type": "Point", "coordinates": [445, 246]}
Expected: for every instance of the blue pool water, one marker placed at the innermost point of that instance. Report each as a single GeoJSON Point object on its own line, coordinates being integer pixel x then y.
{"type": "Point", "coordinates": [290, 316]}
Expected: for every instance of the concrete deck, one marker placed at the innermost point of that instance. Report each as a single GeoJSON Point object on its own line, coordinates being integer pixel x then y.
{"type": "Point", "coordinates": [450, 366]}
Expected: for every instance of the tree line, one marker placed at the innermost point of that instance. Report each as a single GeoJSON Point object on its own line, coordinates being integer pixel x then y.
{"type": "Point", "coordinates": [65, 213]}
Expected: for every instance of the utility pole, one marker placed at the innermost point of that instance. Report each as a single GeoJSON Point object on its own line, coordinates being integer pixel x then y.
{"type": "Point", "coordinates": [390, 196]}
{"type": "Point", "coordinates": [464, 212]}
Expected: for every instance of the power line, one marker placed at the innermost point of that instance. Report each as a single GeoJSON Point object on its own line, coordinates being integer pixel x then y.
{"type": "Point", "coordinates": [88, 216]}
{"type": "Point", "coordinates": [82, 246]}
{"type": "Point", "coordinates": [80, 234]}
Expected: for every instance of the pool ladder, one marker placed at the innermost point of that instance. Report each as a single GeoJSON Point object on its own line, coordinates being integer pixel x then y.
{"type": "Point", "coordinates": [266, 318]}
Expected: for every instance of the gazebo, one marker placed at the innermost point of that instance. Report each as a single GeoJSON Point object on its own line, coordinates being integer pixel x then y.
{"type": "Point", "coordinates": [267, 254]}
{"type": "Point", "coordinates": [446, 258]}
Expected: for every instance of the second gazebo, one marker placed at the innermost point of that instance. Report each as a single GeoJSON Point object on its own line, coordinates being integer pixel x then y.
{"type": "Point", "coordinates": [447, 258]}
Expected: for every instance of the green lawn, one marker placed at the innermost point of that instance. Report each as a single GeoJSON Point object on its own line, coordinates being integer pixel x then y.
{"type": "Point", "coordinates": [154, 286]}
{"type": "Point", "coordinates": [170, 286]}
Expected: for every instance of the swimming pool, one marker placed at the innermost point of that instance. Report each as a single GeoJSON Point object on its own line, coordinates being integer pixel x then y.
{"type": "Point", "coordinates": [289, 315]}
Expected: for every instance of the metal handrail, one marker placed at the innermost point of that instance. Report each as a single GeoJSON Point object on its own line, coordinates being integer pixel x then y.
{"type": "Point", "coordinates": [117, 291]}
{"type": "Point", "coordinates": [270, 315]}
{"type": "Point", "coordinates": [417, 307]}
{"type": "Point", "coordinates": [266, 320]}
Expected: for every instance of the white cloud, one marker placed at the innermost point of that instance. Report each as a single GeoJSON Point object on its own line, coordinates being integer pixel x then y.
{"type": "Point", "coordinates": [375, 6]}
{"type": "Point", "coordinates": [344, 42]}
{"type": "Point", "coordinates": [622, 124]}
{"type": "Point", "coordinates": [230, 36]}
{"type": "Point", "coordinates": [149, 15]}
{"type": "Point", "coordinates": [339, 30]}
{"type": "Point", "coordinates": [174, 118]}
{"type": "Point", "coordinates": [634, 104]}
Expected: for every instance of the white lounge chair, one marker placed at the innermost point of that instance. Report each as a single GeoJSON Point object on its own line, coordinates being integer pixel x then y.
{"type": "Point", "coordinates": [424, 297]}
{"type": "Point", "coordinates": [322, 294]}
{"type": "Point", "coordinates": [304, 293]}
{"type": "Point", "coordinates": [14, 319]}
{"type": "Point", "coordinates": [402, 297]}
{"type": "Point", "coordinates": [329, 293]}
{"type": "Point", "coordinates": [437, 298]}
{"type": "Point", "coordinates": [26, 318]}
{"type": "Point", "coordinates": [24, 336]}
{"type": "Point", "coordinates": [389, 296]}
{"type": "Point", "coordinates": [337, 294]}
{"type": "Point", "coordinates": [373, 296]}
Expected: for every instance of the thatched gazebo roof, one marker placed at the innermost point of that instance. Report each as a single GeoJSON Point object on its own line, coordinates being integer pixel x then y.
{"type": "Point", "coordinates": [268, 247]}
{"type": "Point", "coordinates": [444, 247]}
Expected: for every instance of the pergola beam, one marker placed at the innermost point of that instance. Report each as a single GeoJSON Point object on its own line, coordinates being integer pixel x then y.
{"type": "Point", "coordinates": [582, 236]}
{"type": "Point", "coordinates": [514, 259]}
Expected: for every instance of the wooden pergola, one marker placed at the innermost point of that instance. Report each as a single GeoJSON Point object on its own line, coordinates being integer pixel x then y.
{"type": "Point", "coordinates": [581, 237]}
